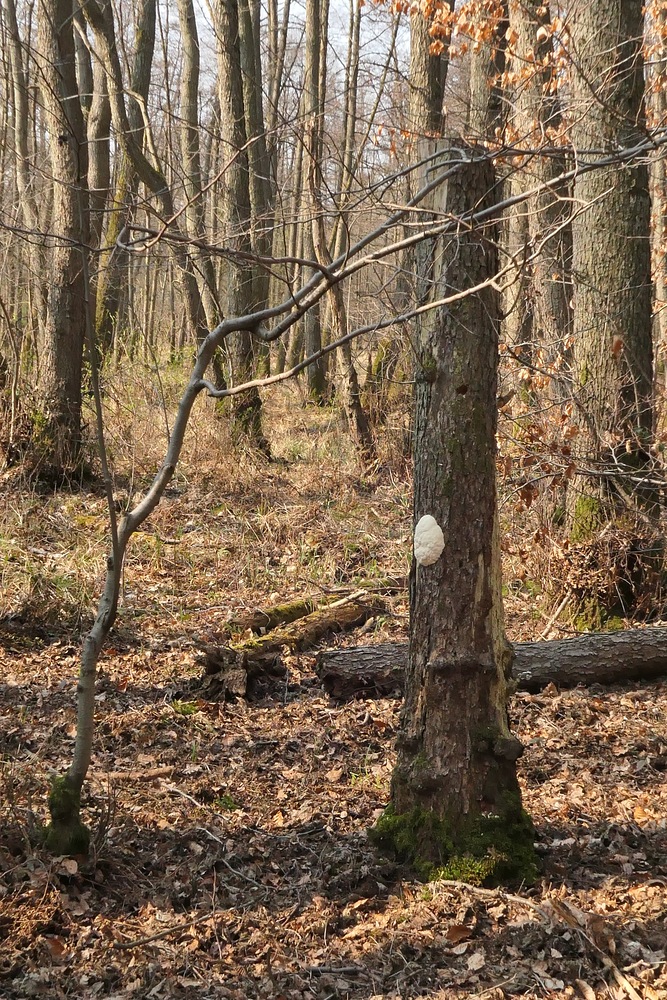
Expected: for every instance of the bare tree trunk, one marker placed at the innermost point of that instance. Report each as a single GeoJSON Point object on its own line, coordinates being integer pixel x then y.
{"type": "Point", "coordinates": [113, 257]}
{"type": "Point", "coordinates": [190, 148]}
{"type": "Point", "coordinates": [536, 306]}
{"type": "Point", "coordinates": [236, 210]}
{"type": "Point", "coordinates": [428, 74]}
{"type": "Point", "coordinates": [314, 77]}
{"type": "Point", "coordinates": [57, 431]}
{"type": "Point", "coordinates": [611, 255]}
{"type": "Point", "coordinates": [487, 62]}
{"type": "Point", "coordinates": [100, 18]}
{"type": "Point", "coordinates": [259, 164]}
{"type": "Point", "coordinates": [23, 117]}
{"type": "Point", "coordinates": [657, 111]}
{"type": "Point", "coordinates": [357, 419]}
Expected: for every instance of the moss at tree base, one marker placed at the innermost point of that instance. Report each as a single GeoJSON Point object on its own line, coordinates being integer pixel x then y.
{"type": "Point", "coordinates": [488, 850]}
{"type": "Point", "coordinates": [66, 834]}
{"type": "Point", "coordinates": [587, 519]}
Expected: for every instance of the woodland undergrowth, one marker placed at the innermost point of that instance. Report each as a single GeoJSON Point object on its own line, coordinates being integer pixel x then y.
{"type": "Point", "coordinates": [230, 856]}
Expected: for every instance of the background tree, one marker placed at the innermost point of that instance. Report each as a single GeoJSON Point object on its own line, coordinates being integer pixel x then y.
{"type": "Point", "coordinates": [236, 216]}
{"type": "Point", "coordinates": [57, 424]}
{"type": "Point", "coordinates": [611, 273]}
{"type": "Point", "coordinates": [537, 308]}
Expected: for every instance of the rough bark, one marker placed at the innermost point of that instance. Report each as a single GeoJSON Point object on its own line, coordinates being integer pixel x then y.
{"type": "Point", "coordinates": [426, 80]}
{"type": "Point", "coordinates": [536, 307]}
{"type": "Point", "coordinates": [454, 785]}
{"type": "Point", "coordinates": [608, 658]}
{"type": "Point", "coordinates": [113, 259]}
{"type": "Point", "coordinates": [236, 218]}
{"type": "Point", "coordinates": [487, 62]}
{"type": "Point", "coordinates": [611, 245]}
{"type": "Point", "coordinates": [314, 76]}
{"type": "Point", "coordinates": [191, 151]}
{"type": "Point", "coordinates": [57, 428]}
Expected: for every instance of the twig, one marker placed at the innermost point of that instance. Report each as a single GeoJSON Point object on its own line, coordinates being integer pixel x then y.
{"type": "Point", "coordinates": [495, 894]}
{"type": "Point", "coordinates": [148, 775]}
{"type": "Point", "coordinates": [138, 942]}
{"type": "Point", "coordinates": [347, 600]}
{"type": "Point", "coordinates": [326, 970]}
{"type": "Point", "coordinates": [561, 607]}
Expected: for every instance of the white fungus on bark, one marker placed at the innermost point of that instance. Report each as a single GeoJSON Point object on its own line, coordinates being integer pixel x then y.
{"type": "Point", "coordinates": [429, 540]}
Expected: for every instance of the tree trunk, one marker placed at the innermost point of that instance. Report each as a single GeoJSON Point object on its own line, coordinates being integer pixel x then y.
{"type": "Point", "coordinates": [606, 658]}
{"type": "Point", "coordinates": [455, 797]}
{"type": "Point", "coordinates": [349, 392]}
{"type": "Point", "coordinates": [236, 209]}
{"type": "Point", "coordinates": [190, 148]}
{"type": "Point", "coordinates": [113, 257]}
{"type": "Point", "coordinates": [426, 81]}
{"type": "Point", "coordinates": [314, 79]}
{"type": "Point", "coordinates": [656, 101]}
{"type": "Point", "coordinates": [487, 62]}
{"type": "Point", "coordinates": [99, 15]}
{"type": "Point", "coordinates": [57, 428]}
{"type": "Point", "coordinates": [537, 304]}
{"type": "Point", "coordinates": [611, 255]}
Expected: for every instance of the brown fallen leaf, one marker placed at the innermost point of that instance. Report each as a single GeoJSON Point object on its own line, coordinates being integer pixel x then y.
{"type": "Point", "coordinates": [56, 945]}
{"type": "Point", "coordinates": [458, 932]}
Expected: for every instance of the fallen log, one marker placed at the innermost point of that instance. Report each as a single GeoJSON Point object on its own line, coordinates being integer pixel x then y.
{"type": "Point", "coordinates": [234, 670]}
{"type": "Point", "coordinates": [596, 658]}
{"type": "Point", "coordinates": [262, 620]}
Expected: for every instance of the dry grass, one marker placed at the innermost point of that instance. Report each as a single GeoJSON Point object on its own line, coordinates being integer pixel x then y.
{"type": "Point", "coordinates": [231, 525]}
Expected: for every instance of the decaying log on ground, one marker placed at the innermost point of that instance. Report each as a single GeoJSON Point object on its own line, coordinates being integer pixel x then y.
{"type": "Point", "coordinates": [262, 620]}
{"type": "Point", "coordinates": [598, 658]}
{"type": "Point", "coordinates": [233, 670]}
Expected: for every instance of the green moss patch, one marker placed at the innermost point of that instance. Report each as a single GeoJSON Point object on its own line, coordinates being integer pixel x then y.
{"type": "Point", "coordinates": [587, 519]}
{"type": "Point", "coordinates": [488, 850]}
{"type": "Point", "coordinates": [66, 834]}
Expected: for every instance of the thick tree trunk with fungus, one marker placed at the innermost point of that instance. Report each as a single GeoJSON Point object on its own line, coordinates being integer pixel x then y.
{"type": "Point", "coordinates": [455, 799]}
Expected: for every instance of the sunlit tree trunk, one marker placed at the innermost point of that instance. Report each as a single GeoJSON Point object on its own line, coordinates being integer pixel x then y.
{"type": "Point", "coordinates": [349, 392]}
{"type": "Point", "coordinates": [236, 218]}
{"type": "Point", "coordinates": [191, 152]}
{"type": "Point", "coordinates": [611, 253]}
{"type": "Point", "coordinates": [657, 107]}
{"type": "Point", "coordinates": [113, 259]}
{"type": "Point", "coordinates": [427, 76]}
{"type": "Point", "coordinates": [314, 80]}
{"type": "Point", "coordinates": [34, 205]}
{"type": "Point", "coordinates": [100, 18]}
{"type": "Point", "coordinates": [57, 429]}
{"type": "Point", "coordinates": [536, 305]}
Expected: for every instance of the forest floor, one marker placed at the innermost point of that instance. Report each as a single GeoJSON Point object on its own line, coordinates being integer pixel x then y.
{"type": "Point", "coordinates": [230, 854]}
